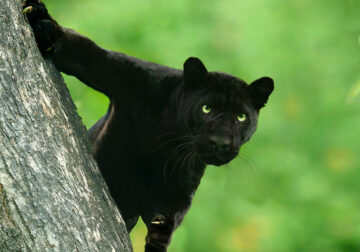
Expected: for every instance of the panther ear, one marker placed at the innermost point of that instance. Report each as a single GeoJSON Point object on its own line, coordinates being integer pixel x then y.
{"type": "Point", "coordinates": [194, 70]}
{"type": "Point", "coordinates": [260, 91]}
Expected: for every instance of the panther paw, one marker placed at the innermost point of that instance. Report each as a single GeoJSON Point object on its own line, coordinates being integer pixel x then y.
{"type": "Point", "coordinates": [35, 10]}
{"type": "Point", "coordinates": [46, 30]}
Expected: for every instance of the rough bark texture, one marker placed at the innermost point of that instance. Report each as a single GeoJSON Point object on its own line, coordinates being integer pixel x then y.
{"type": "Point", "coordinates": [52, 196]}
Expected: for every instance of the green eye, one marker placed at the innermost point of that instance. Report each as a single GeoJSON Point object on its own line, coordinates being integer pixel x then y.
{"type": "Point", "coordinates": [241, 117]}
{"type": "Point", "coordinates": [206, 109]}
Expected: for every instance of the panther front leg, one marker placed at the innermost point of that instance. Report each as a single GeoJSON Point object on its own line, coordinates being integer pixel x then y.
{"type": "Point", "coordinates": [75, 54]}
{"type": "Point", "coordinates": [160, 230]}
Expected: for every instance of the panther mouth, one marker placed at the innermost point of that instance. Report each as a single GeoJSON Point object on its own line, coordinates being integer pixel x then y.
{"type": "Point", "coordinates": [217, 158]}
{"type": "Point", "coordinates": [217, 161]}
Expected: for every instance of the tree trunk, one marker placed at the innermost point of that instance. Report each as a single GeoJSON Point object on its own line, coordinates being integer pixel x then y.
{"type": "Point", "coordinates": [52, 196]}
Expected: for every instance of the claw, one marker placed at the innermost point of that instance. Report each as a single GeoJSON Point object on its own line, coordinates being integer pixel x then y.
{"type": "Point", "coordinates": [27, 9]}
{"type": "Point", "coordinates": [158, 222]}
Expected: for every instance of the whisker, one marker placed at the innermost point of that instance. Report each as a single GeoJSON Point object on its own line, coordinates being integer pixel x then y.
{"type": "Point", "coordinates": [252, 168]}
{"type": "Point", "coordinates": [185, 159]}
{"type": "Point", "coordinates": [184, 165]}
{"type": "Point", "coordinates": [169, 141]}
{"type": "Point", "coordinates": [192, 159]}
{"type": "Point", "coordinates": [167, 134]}
{"type": "Point", "coordinates": [172, 153]}
{"type": "Point", "coordinates": [174, 167]}
{"type": "Point", "coordinates": [174, 133]}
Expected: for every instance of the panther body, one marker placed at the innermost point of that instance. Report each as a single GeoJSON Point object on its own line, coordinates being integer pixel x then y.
{"type": "Point", "coordinates": [163, 125]}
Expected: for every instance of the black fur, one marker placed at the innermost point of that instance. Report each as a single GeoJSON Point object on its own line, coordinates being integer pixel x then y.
{"type": "Point", "coordinates": [153, 144]}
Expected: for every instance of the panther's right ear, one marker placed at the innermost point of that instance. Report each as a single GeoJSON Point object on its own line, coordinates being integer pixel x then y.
{"type": "Point", "coordinates": [194, 70]}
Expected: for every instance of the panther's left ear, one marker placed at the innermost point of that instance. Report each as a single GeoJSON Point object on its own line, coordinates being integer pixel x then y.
{"type": "Point", "coordinates": [260, 91]}
{"type": "Point", "coordinates": [194, 70]}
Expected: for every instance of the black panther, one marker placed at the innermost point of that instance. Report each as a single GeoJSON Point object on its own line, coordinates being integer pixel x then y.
{"type": "Point", "coordinates": [163, 125]}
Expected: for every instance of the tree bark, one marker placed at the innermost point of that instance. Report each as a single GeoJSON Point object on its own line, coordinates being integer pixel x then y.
{"type": "Point", "coordinates": [52, 196]}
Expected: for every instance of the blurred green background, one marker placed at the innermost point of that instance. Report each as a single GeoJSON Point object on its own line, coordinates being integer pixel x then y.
{"type": "Point", "coordinates": [299, 187]}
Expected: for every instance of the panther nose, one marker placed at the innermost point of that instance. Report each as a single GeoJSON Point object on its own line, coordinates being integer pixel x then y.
{"type": "Point", "coordinates": [220, 143]}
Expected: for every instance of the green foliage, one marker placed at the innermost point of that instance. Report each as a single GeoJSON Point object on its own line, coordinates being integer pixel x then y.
{"type": "Point", "coordinates": [299, 191]}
